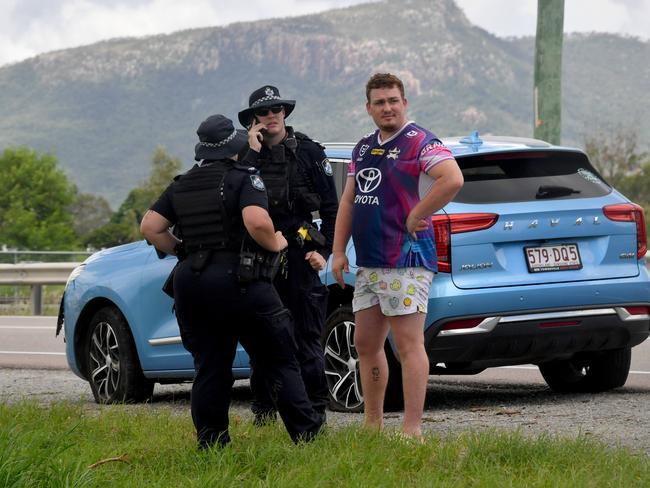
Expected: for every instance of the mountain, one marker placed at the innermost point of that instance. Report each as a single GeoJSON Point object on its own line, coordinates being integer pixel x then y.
{"type": "Point", "coordinates": [102, 109]}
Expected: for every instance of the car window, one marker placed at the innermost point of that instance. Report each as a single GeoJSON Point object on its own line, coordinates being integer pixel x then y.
{"type": "Point", "coordinates": [529, 176]}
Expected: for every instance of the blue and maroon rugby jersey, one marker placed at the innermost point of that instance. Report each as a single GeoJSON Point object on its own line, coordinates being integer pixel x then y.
{"type": "Point", "coordinates": [390, 178]}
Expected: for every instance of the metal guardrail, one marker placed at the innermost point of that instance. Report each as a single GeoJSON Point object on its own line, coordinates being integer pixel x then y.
{"type": "Point", "coordinates": [36, 275]}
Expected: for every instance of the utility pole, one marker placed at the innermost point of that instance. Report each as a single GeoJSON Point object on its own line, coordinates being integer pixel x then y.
{"type": "Point", "coordinates": [547, 93]}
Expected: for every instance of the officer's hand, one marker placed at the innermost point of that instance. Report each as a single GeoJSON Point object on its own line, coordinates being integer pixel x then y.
{"type": "Point", "coordinates": [255, 136]}
{"type": "Point", "coordinates": [316, 261]}
{"type": "Point", "coordinates": [281, 241]}
{"type": "Point", "coordinates": [415, 224]}
{"type": "Point", "coordinates": [340, 264]}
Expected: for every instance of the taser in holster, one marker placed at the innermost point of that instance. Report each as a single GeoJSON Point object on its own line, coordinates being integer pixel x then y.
{"type": "Point", "coordinates": [307, 233]}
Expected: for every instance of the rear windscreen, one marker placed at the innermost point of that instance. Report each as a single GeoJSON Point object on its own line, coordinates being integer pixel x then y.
{"type": "Point", "coordinates": [528, 176]}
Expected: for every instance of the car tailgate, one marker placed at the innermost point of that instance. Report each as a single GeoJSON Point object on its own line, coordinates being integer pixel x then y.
{"type": "Point", "coordinates": [551, 218]}
{"type": "Point", "coordinates": [521, 248]}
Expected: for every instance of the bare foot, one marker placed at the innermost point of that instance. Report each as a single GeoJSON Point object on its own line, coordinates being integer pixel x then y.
{"type": "Point", "coordinates": [411, 436]}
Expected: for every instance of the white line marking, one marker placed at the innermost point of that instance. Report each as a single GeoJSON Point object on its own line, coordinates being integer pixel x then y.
{"type": "Point", "coordinates": [34, 353]}
{"type": "Point", "coordinates": [518, 367]}
{"type": "Point", "coordinates": [27, 327]}
{"type": "Point", "coordinates": [29, 317]}
{"type": "Point", "coordinates": [535, 367]}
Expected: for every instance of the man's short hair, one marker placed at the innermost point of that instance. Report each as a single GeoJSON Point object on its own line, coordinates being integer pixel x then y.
{"type": "Point", "coordinates": [383, 80]}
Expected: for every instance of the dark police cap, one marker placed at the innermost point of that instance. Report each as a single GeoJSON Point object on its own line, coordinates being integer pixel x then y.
{"type": "Point", "coordinates": [219, 138]}
{"type": "Point", "coordinates": [267, 96]}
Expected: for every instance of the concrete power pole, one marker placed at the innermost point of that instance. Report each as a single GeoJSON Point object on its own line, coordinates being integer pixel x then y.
{"type": "Point", "coordinates": [547, 94]}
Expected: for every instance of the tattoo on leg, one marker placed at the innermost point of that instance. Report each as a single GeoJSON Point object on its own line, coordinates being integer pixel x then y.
{"type": "Point", "coordinates": [375, 374]}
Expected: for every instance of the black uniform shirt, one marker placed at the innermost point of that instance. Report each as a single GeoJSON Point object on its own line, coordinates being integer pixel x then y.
{"type": "Point", "coordinates": [241, 189]}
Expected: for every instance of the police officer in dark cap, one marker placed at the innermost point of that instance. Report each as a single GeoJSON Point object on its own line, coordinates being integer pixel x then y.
{"type": "Point", "coordinates": [299, 182]}
{"type": "Point", "coordinates": [223, 292]}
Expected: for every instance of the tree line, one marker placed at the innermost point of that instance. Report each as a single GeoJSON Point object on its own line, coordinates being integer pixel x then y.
{"type": "Point", "coordinates": [41, 209]}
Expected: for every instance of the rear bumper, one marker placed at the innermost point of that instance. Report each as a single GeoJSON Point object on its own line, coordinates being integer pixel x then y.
{"type": "Point", "coordinates": [533, 337]}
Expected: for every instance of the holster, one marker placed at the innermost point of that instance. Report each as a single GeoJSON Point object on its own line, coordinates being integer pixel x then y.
{"type": "Point", "coordinates": [263, 266]}
{"type": "Point", "coordinates": [168, 285]}
{"type": "Point", "coordinates": [309, 237]}
{"type": "Point", "coordinates": [200, 259]}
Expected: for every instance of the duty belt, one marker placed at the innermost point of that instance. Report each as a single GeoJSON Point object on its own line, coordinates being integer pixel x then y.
{"type": "Point", "coordinates": [200, 259]}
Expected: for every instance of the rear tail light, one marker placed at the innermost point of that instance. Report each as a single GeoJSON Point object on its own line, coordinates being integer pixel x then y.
{"type": "Point", "coordinates": [630, 212]}
{"type": "Point", "coordinates": [637, 310]}
{"type": "Point", "coordinates": [444, 225]}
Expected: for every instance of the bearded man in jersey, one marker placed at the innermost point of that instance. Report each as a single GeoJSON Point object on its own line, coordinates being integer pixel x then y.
{"type": "Point", "coordinates": [399, 175]}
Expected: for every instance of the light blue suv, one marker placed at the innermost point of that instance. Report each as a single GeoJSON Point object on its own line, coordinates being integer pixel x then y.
{"type": "Point", "coordinates": [540, 261]}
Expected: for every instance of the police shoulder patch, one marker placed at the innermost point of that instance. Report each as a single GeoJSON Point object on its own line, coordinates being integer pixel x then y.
{"type": "Point", "coordinates": [327, 167]}
{"type": "Point", "coordinates": [257, 182]}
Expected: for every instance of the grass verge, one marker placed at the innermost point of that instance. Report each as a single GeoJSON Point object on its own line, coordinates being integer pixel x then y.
{"type": "Point", "coordinates": [64, 445]}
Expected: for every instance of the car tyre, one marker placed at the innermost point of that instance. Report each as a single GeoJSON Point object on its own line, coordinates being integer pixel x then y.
{"type": "Point", "coordinates": [342, 366]}
{"type": "Point", "coordinates": [113, 367]}
{"type": "Point", "coordinates": [595, 372]}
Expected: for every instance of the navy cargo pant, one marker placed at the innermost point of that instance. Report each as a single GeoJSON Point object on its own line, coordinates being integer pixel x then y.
{"type": "Point", "coordinates": [214, 312]}
{"type": "Point", "coordinates": [305, 296]}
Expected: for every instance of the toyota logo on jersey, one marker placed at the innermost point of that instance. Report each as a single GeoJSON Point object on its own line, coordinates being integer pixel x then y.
{"type": "Point", "coordinates": [368, 179]}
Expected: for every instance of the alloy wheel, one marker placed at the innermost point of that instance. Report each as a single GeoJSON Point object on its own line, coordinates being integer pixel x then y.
{"type": "Point", "coordinates": [342, 366]}
{"type": "Point", "coordinates": [104, 360]}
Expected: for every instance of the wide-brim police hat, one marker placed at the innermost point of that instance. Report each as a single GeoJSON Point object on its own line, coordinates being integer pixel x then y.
{"type": "Point", "coordinates": [267, 96]}
{"type": "Point", "coordinates": [219, 139]}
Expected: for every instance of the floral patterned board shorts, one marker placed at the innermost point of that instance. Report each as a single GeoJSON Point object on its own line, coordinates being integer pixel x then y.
{"type": "Point", "coordinates": [398, 291]}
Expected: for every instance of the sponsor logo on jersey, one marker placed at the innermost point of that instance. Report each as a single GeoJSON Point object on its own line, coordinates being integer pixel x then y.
{"type": "Point", "coordinates": [412, 133]}
{"type": "Point", "coordinates": [393, 153]}
{"type": "Point", "coordinates": [377, 151]}
{"type": "Point", "coordinates": [430, 146]}
{"type": "Point", "coordinates": [366, 200]}
{"type": "Point", "coordinates": [368, 179]}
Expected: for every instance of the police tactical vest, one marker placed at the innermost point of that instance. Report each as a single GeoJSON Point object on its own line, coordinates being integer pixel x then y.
{"type": "Point", "coordinates": [199, 205]}
{"type": "Point", "coordinates": [289, 188]}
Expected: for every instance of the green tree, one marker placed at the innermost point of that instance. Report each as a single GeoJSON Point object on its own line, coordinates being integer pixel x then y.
{"type": "Point", "coordinates": [626, 168]}
{"type": "Point", "coordinates": [89, 212]}
{"type": "Point", "coordinates": [125, 223]}
{"type": "Point", "coordinates": [34, 198]}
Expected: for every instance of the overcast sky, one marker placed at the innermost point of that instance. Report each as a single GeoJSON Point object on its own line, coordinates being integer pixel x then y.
{"type": "Point", "coordinates": [30, 27]}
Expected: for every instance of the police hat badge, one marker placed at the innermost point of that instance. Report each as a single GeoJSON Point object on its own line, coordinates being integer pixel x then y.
{"type": "Point", "coordinates": [257, 183]}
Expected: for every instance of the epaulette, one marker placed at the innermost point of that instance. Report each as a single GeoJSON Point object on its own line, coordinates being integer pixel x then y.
{"type": "Point", "coordinates": [305, 137]}
{"type": "Point", "coordinates": [180, 175]}
{"type": "Point", "coordinates": [247, 168]}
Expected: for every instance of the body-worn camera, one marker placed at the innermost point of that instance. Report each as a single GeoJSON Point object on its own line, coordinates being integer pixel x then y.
{"type": "Point", "coordinates": [248, 268]}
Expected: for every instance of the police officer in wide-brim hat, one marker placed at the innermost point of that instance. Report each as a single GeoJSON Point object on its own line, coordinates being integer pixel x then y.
{"type": "Point", "coordinates": [299, 181]}
{"type": "Point", "coordinates": [268, 97]}
{"type": "Point", "coordinates": [220, 208]}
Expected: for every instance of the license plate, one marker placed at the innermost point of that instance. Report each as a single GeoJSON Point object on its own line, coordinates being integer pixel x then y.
{"type": "Point", "coordinates": [562, 257]}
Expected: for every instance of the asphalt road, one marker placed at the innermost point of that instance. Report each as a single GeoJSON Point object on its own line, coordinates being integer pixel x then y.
{"type": "Point", "coordinates": [30, 343]}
